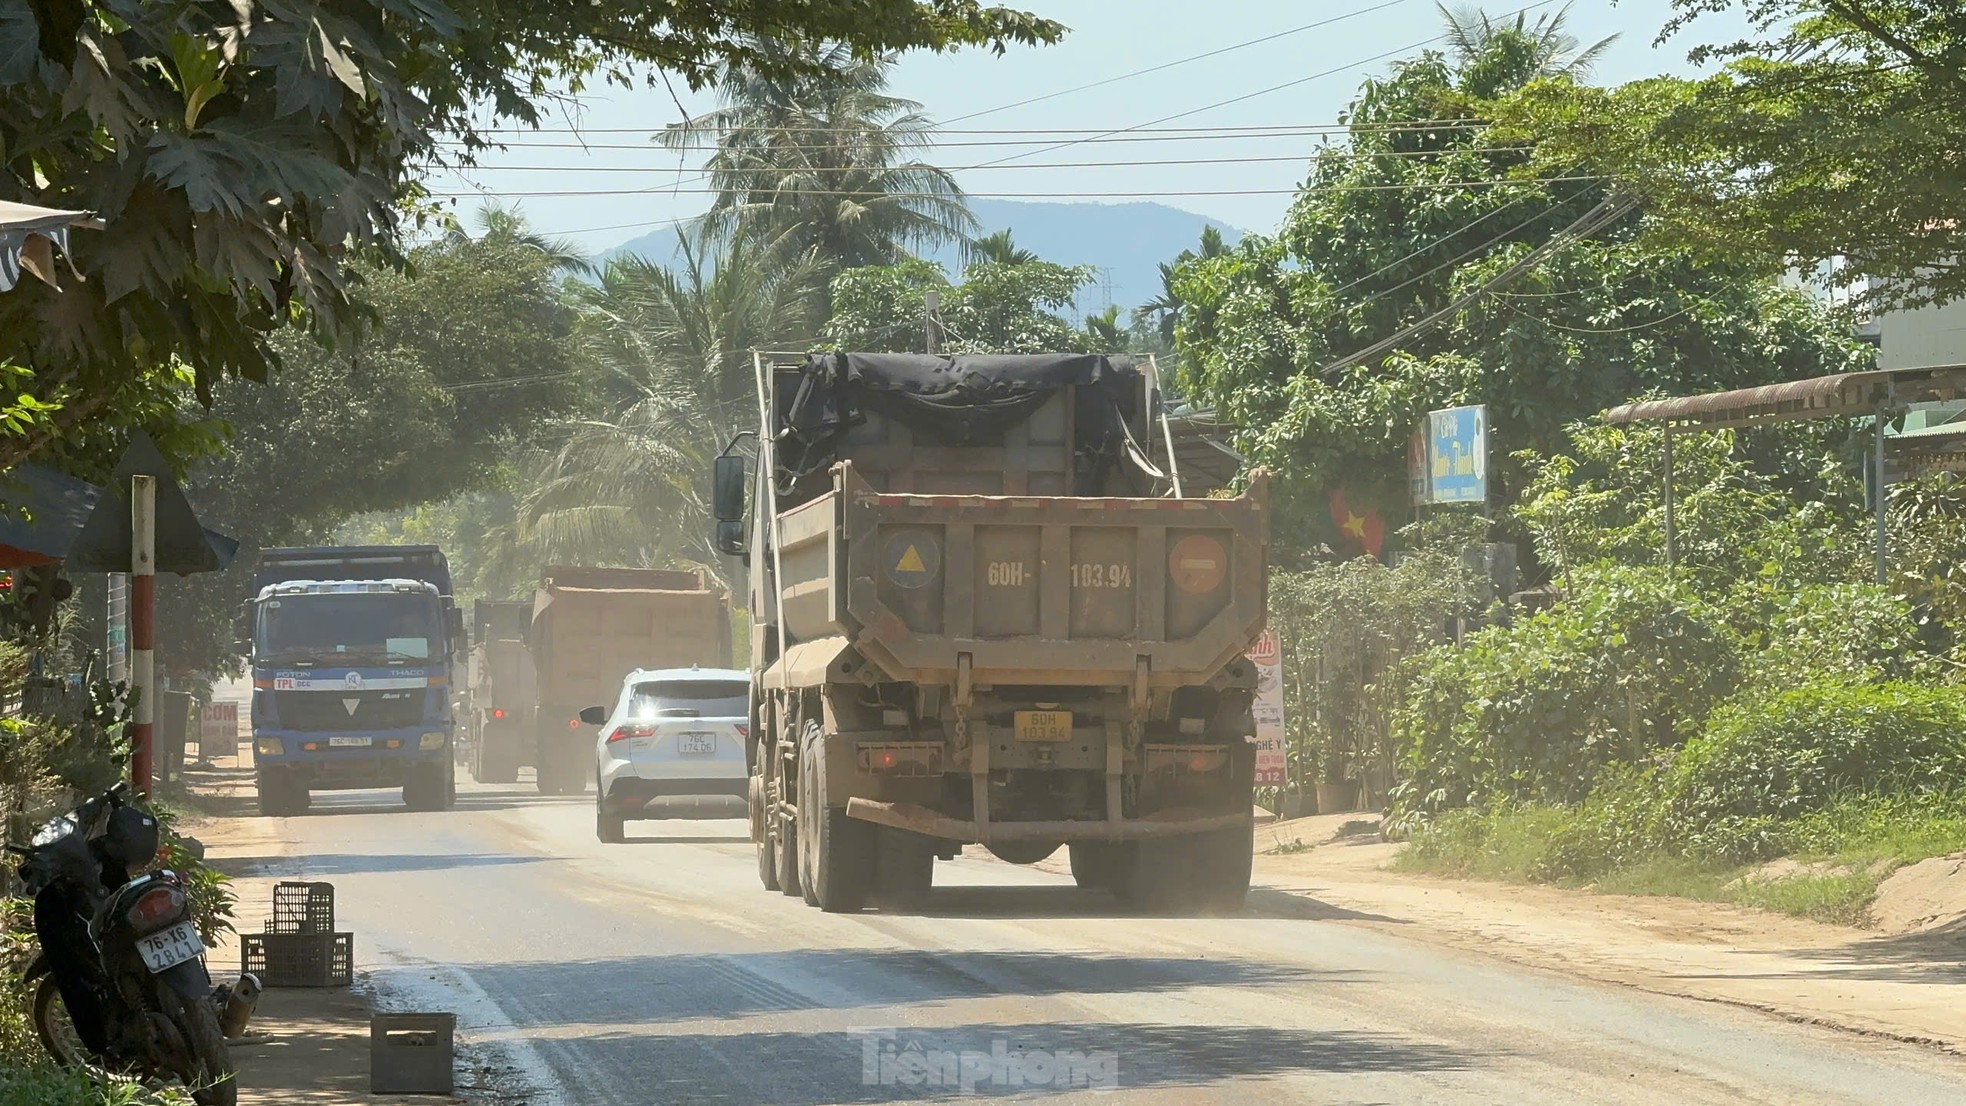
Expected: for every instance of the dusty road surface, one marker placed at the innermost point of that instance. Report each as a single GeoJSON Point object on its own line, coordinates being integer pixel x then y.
{"type": "Point", "coordinates": [660, 972]}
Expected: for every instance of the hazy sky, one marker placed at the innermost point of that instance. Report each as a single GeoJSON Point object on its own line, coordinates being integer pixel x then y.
{"type": "Point", "coordinates": [647, 187]}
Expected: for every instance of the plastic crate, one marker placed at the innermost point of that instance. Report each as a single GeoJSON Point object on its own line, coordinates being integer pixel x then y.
{"type": "Point", "coordinates": [302, 908]}
{"type": "Point", "coordinates": [411, 1053]}
{"type": "Point", "coordinates": [299, 959]}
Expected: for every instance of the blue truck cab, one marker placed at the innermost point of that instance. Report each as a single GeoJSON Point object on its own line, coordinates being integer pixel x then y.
{"type": "Point", "coordinates": [354, 655]}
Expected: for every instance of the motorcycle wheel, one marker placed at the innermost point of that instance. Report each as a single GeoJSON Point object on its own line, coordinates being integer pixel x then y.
{"type": "Point", "coordinates": [207, 1073]}
{"type": "Point", "coordinates": [57, 1033]}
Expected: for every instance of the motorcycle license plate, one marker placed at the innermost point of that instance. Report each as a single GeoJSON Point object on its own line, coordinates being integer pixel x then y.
{"type": "Point", "coordinates": [167, 948]}
{"type": "Point", "coordinates": [696, 744]}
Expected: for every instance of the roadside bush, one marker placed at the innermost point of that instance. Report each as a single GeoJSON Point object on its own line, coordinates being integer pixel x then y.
{"type": "Point", "coordinates": [1775, 756]}
{"type": "Point", "coordinates": [1859, 633]}
{"type": "Point", "coordinates": [1629, 664]}
{"type": "Point", "coordinates": [46, 1085]}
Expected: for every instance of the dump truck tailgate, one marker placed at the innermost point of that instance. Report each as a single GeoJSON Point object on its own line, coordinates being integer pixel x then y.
{"type": "Point", "coordinates": [1032, 589]}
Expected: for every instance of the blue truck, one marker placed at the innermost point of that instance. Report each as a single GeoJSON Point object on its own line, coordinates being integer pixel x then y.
{"type": "Point", "coordinates": [355, 653]}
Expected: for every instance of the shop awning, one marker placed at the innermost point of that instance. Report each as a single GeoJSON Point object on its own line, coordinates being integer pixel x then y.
{"type": "Point", "coordinates": [1861, 393]}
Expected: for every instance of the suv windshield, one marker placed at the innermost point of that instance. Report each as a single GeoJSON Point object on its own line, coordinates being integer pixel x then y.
{"type": "Point", "coordinates": [391, 625]}
{"type": "Point", "coordinates": [690, 699]}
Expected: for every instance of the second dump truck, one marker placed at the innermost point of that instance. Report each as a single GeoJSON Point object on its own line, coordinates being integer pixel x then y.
{"type": "Point", "coordinates": [593, 626]}
{"type": "Point", "coordinates": [503, 691]}
{"type": "Point", "coordinates": [980, 618]}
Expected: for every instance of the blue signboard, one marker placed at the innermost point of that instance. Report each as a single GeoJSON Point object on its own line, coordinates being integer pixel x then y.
{"type": "Point", "coordinates": [1457, 453]}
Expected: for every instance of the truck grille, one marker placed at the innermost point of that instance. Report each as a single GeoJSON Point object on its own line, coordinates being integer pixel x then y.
{"type": "Point", "coordinates": [322, 711]}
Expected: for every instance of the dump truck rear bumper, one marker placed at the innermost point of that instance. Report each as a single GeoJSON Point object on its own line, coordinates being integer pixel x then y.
{"type": "Point", "coordinates": [920, 819]}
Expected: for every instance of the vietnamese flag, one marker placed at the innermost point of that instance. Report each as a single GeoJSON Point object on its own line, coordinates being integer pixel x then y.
{"type": "Point", "coordinates": [1366, 528]}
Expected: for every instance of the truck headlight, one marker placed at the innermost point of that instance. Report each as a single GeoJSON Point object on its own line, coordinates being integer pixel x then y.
{"type": "Point", "coordinates": [433, 740]}
{"type": "Point", "coordinates": [270, 747]}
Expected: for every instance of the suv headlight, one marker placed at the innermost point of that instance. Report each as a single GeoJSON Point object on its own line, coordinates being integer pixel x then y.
{"type": "Point", "coordinates": [433, 740]}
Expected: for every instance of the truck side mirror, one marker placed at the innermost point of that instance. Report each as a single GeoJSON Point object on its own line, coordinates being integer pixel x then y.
{"type": "Point", "coordinates": [727, 499]}
{"type": "Point", "coordinates": [595, 716]}
{"type": "Point", "coordinates": [728, 491]}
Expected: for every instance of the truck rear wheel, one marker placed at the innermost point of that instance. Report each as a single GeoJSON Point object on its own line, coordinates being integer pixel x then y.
{"type": "Point", "coordinates": [904, 869]}
{"type": "Point", "coordinates": [839, 850]}
{"type": "Point", "coordinates": [281, 794]}
{"type": "Point", "coordinates": [1094, 864]}
{"type": "Point", "coordinates": [1224, 858]}
{"type": "Point", "coordinates": [760, 835]}
{"type": "Point", "coordinates": [495, 755]}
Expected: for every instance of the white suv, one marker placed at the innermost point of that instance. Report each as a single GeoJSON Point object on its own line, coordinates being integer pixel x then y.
{"type": "Point", "coordinates": [672, 747]}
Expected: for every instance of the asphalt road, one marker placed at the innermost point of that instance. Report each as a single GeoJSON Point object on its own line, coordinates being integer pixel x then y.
{"type": "Point", "coordinates": [659, 971]}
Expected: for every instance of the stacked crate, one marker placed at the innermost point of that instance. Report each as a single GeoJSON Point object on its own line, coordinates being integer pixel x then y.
{"type": "Point", "coordinates": [300, 947]}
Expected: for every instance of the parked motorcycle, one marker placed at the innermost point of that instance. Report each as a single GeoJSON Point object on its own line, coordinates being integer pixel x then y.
{"type": "Point", "coordinates": [121, 968]}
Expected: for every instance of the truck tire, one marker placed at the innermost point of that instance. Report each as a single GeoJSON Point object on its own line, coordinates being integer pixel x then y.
{"type": "Point", "coordinates": [1094, 864]}
{"type": "Point", "coordinates": [1157, 876]}
{"type": "Point", "coordinates": [839, 850]}
{"type": "Point", "coordinates": [1223, 865]}
{"type": "Point", "coordinates": [760, 832]}
{"type": "Point", "coordinates": [281, 795]}
{"type": "Point", "coordinates": [904, 869]}
{"type": "Point", "coordinates": [430, 787]}
{"type": "Point", "coordinates": [495, 755]}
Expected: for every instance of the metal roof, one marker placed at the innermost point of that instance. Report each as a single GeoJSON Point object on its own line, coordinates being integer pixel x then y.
{"type": "Point", "coordinates": [1845, 394]}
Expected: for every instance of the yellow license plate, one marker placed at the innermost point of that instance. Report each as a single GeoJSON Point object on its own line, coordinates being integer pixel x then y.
{"type": "Point", "coordinates": [1043, 725]}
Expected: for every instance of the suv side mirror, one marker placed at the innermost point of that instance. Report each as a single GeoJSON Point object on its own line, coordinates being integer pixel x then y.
{"type": "Point", "coordinates": [595, 716]}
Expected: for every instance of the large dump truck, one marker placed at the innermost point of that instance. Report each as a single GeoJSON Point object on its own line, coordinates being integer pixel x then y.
{"type": "Point", "coordinates": [593, 626]}
{"type": "Point", "coordinates": [503, 692]}
{"type": "Point", "coordinates": [981, 617]}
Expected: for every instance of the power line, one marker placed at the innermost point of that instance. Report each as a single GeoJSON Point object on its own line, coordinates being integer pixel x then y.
{"type": "Point", "coordinates": [1257, 130]}
{"type": "Point", "coordinates": [1149, 163]}
{"type": "Point", "coordinates": [1273, 88]}
{"type": "Point", "coordinates": [875, 194]}
{"type": "Point", "coordinates": [1164, 66]}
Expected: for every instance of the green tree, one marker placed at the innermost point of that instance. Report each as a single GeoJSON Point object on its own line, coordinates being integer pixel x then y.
{"type": "Point", "coordinates": [240, 155]}
{"type": "Point", "coordinates": [461, 364]}
{"type": "Point", "coordinates": [998, 308]}
{"type": "Point", "coordinates": [997, 247]}
{"type": "Point", "coordinates": [826, 160]}
{"type": "Point", "coordinates": [1473, 34]}
{"type": "Point", "coordinates": [672, 348]}
{"type": "Point", "coordinates": [1423, 207]}
{"type": "Point", "coordinates": [1833, 133]}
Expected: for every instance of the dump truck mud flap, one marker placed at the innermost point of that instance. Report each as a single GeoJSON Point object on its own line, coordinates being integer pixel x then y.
{"type": "Point", "coordinates": [922, 820]}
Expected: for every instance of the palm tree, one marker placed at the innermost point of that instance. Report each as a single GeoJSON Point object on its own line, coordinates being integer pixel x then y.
{"type": "Point", "coordinates": [673, 350]}
{"type": "Point", "coordinates": [997, 249]}
{"type": "Point", "coordinates": [1164, 310]}
{"type": "Point", "coordinates": [1554, 51]}
{"type": "Point", "coordinates": [1103, 331]}
{"type": "Point", "coordinates": [509, 224]}
{"type": "Point", "coordinates": [827, 163]}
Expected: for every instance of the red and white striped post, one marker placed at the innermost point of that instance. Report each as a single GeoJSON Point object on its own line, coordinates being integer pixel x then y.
{"type": "Point", "coordinates": [143, 627]}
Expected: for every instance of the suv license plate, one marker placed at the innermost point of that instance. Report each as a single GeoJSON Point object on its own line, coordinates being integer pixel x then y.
{"type": "Point", "coordinates": [167, 948]}
{"type": "Point", "coordinates": [348, 742]}
{"type": "Point", "coordinates": [1042, 725]}
{"type": "Point", "coordinates": [696, 744]}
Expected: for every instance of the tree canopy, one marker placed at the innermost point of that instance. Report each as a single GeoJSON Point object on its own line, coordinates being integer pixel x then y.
{"type": "Point", "coordinates": [1414, 215]}
{"type": "Point", "coordinates": [242, 153]}
{"type": "Point", "coordinates": [998, 308]}
{"type": "Point", "coordinates": [1833, 133]}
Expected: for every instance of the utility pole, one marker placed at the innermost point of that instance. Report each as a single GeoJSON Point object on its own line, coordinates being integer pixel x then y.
{"type": "Point", "coordinates": [143, 628]}
{"type": "Point", "coordinates": [932, 308]}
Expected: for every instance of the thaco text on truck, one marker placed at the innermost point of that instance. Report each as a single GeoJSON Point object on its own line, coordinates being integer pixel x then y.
{"type": "Point", "coordinates": [983, 614]}
{"type": "Point", "coordinates": [355, 652]}
{"type": "Point", "coordinates": [591, 627]}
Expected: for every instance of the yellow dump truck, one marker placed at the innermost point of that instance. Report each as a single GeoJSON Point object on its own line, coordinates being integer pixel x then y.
{"type": "Point", "coordinates": [982, 614]}
{"type": "Point", "coordinates": [591, 627]}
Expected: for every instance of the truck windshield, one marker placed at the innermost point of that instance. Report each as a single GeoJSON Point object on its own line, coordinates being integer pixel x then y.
{"type": "Point", "coordinates": [388, 626]}
{"type": "Point", "coordinates": [691, 699]}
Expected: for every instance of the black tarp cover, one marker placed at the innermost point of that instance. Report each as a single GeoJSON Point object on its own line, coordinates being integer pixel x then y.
{"type": "Point", "coordinates": [967, 399]}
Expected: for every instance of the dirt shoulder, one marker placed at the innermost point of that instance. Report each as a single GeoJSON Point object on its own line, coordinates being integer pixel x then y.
{"type": "Point", "coordinates": [307, 1046]}
{"type": "Point", "coordinates": [1906, 986]}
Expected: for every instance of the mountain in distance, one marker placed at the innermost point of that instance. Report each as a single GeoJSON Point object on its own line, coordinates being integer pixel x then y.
{"type": "Point", "coordinates": [1124, 242]}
